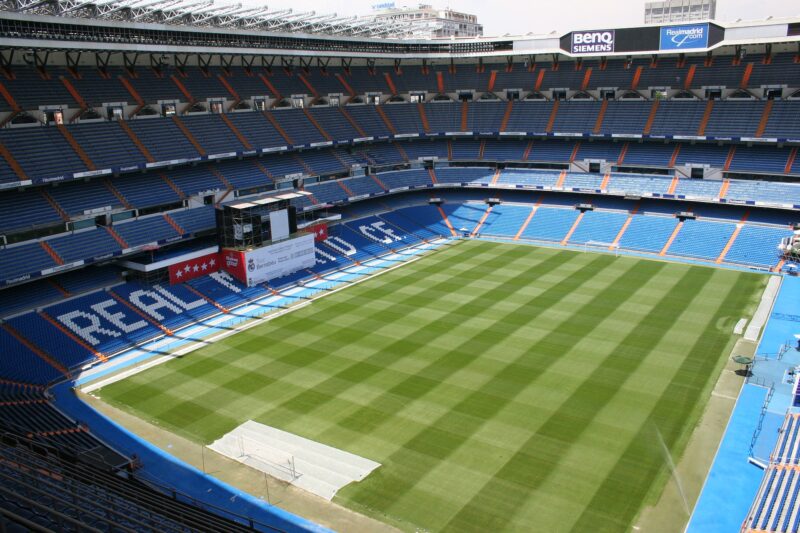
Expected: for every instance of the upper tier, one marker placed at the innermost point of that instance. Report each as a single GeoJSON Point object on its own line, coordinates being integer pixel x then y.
{"type": "Point", "coordinates": [57, 153]}
{"type": "Point", "coordinates": [59, 86]}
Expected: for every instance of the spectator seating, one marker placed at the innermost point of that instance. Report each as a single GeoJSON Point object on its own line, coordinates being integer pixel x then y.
{"type": "Point", "coordinates": [163, 139]}
{"type": "Point", "coordinates": [598, 227]}
{"type": "Point", "coordinates": [42, 152]}
{"type": "Point", "coordinates": [775, 507]}
{"type": "Point", "coordinates": [297, 126]}
{"type": "Point", "coordinates": [701, 239]}
{"type": "Point", "coordinates": [508, 220]}
{"type": "Point", "coordinates": [648, 234]}
{"type": "Point", "coordinates": [20, 261]}
{"type": "Point", "coordinates": [54, 487]}
{"type": "Point", "coordinates": [107, 146]}
{"type": "Point", "coordinates": [131, 313]}
{"type": "Point", "coordinates": [26, 209]}
{"type": "Point", "coordinates": [257, 129]}
{"type": "Point", "coordinates": [212, 134]}
{"type": "Point", "coordinates": [30, 89]}
{"type": "Point", "coordinates": [787, 451]}
{"type": "Point", "coordinates": [144, 231]}
{"type": "Point", "coordinates": [550, 224]}
{"type": "Point", "coordinates": [84, 244]}
{"type": "Point", "coordinates": [142, 191]}
{"type": "Point", "coordinates": [19, 363]}
{"type": "Point", "coordinates": [367, 117]}
{"type": "Point", "coordinates": [333, 122]}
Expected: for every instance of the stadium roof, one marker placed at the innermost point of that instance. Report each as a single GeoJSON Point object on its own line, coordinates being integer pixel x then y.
{"type": "Point", "coordinates": [207, 13]}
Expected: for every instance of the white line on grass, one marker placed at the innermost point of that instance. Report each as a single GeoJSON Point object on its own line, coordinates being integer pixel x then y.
{"type": "Point", "coordinates": [255, 321]}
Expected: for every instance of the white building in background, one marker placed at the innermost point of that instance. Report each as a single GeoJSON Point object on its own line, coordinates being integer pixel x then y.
{"type": "Point", "coordinates": [432, 22]}
{"type": "Point", "coordinates": [679, 11]}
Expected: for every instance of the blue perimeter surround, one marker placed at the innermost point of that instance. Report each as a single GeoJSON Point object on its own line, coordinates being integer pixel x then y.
{"type": "Point", "coordinates": [733, 482]}
{"type": "Point", "coordinates": [166, 470]}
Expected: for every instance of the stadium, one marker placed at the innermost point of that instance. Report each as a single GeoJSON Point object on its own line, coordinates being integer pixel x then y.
{"type": "Point", "coordinates": [277, 271]}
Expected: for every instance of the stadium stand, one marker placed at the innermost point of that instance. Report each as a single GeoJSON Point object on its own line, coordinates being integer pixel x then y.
{"type": "Point", "coordinates": [115, 160]}
{"type": "Point", "coordinates": [775, 506]}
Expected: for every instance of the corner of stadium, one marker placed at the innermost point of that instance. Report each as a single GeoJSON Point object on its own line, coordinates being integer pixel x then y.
{"type": "Point", "coordinates": [277, 271]}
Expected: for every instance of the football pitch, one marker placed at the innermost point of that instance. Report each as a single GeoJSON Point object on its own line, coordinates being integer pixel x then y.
{"type": "Point", "coordinates": [502, 387]}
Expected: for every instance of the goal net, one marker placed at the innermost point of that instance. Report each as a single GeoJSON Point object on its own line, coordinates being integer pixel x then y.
{"type": "Point", "coordinates": [598, 246]}
{"type": "Point", "coordinates": [259, 455]}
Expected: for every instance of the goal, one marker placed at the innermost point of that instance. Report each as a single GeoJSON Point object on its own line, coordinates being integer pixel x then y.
{"type": "Point", "coordinates": [600, 246]}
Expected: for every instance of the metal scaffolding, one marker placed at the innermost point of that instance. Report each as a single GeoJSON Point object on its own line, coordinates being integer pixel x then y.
{"type": "Point", "coordinates": [208, 14]}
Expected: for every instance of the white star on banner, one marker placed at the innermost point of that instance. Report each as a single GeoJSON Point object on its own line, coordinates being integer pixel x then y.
{"type": "Point", "coordinates": [204, 266]}
{"type": "Point", "coordinates": [196, 268]}
{"type": "Point", "coordinates": [211, 262]}
{"type": "Point", "coordinates": [179, 274]}
{"type": "Point", "coordinates": [187, 269]}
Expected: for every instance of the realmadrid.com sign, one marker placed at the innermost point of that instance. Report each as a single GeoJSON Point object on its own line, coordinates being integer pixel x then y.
{"type": "Point", "coordinates": [590, 42]}
{"type": "Point", "coordinates": [684, 37]}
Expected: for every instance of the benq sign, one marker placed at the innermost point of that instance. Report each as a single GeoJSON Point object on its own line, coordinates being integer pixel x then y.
{"type": "Point", "coordinates": [684, 37]}
{"type": "Point", "coordinates": [591, 42]}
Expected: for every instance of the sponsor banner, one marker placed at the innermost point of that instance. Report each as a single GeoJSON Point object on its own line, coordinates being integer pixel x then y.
{"type": "Point", "coordinates": [684, 37]}
{"type": "Point", "coordinates": [59, 268]}
{"type": "Point", "coordinates": [274, 261]}
{"type": "Point", "coordinates": [19, 279]}
{"type": "Point", "coordinates": [274, 149]}
{"type": "Point", "coordinates": [592, 42]}
{"type": "Point", "coordinates": [226, 155]}
{"type": "Point", "coordinates": [320, 231]}
{"type": "Point", "coordinates": [92, 173]}
{"type": "Point", "coordinates": [755, 139]}
{"type": "Point", "coordinates": [158, 164]}
{"type": "Point", "coordinates": [234, 262]}
{"type": "Point", "coordinates": [323, 143]}
{"type": "Point", "coordinates": [193, 268]}
{"type": "Point", "coordinates": [52, 179]}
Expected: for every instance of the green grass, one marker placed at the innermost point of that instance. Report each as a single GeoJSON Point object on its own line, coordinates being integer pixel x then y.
{"type": "Point", "coordinates": [502, 387]}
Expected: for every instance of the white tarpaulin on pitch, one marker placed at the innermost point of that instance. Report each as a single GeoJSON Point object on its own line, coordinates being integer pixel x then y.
{"type": "Point", "coordinates": [309, 465]}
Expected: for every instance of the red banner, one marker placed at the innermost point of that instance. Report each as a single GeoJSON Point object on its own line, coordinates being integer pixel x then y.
{"type": "Point", "coordinates": [193, 268]}
{"type": "Point", "coordinates": [320, 231]}
{"type": "Point", "coordinates": [234, 262]}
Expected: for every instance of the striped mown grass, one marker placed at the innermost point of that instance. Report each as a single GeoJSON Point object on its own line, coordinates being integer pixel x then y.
{"type": "Point", "coordinates": [502, 387]}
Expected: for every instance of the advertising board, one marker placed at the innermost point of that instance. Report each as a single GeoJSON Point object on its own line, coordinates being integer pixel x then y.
{"type": "Point", "coordinates": [684, 37]}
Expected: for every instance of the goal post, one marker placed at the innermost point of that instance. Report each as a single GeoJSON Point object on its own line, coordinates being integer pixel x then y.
{"type": "Point", "coordinates": [266, 458]}
{"type": "Point", "coordinates": [598, 246]}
